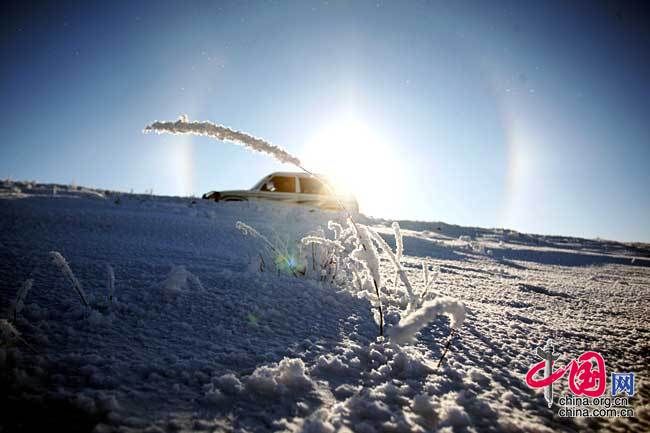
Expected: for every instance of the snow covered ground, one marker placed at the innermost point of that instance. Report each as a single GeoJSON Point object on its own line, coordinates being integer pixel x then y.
{"type": "Point", "coordinates": [197, 338]}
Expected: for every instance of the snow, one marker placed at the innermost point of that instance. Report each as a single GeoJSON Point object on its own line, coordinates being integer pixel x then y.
{"type": "Point", "coordinates": [184, 332]}
{"type": "Point", "coordinates": [179, 280]}
{"type": "Point", "coordinates": [286, 377]}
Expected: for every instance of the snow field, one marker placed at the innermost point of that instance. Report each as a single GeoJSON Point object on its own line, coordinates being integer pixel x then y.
{"type": "Point", "coordinates": [197, 338]}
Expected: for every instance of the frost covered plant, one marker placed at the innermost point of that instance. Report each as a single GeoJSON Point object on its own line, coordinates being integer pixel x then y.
{"type": "Point", "coordinates": [62, 264]}
{"type": "Point", "coordinates": [366, 255]}
{"type": "Point", "coordinates": [353, 254]}
{"type": "Point", "coordinates": [412, 301]}
{"type": "Point", "coordinates": [247, 230]}
{"type": "Point", "coordinates": [110, 282]}
{"type": "Point", "coordinates": [357, 249]}
{"type": "Point", "coordinates": [327, 243]}
{"type": "Point", "coordinates": [20, 297]}
{"type": "Point", "coordinates": [428, 282]}
{"type": "Point", "coordinates": [325, 256]}
{"type": "Point", "coordinates": [405, 331]}
{"type": "Point", "coordinates": [219, 132]}
{"type": "Point", "coordinates": [8, 333]}
{"type": "Point", "coordinates": [399, 245]}
{"type": "Point", "coordinates": [416, 318]}
{"type": "Point", "coordinates": [332, 260]}
{"type": "Point", "coordinates": [282, 261]}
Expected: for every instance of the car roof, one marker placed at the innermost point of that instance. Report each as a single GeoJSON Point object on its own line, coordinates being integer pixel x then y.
{"type": "Point", "coordinates": [301, 175]}
{"type": "Point", "coordinates": [293, 173]}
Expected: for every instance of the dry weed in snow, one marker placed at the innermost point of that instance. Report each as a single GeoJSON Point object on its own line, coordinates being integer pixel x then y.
{"type": "Point", "coordinates": [63, 265]}
{"type": "Point", "coordinates": [405, 331]}
{"type": "Point", "coordinates": [20, 297]}
{"type": "Point", "coordinates": [110, 282]}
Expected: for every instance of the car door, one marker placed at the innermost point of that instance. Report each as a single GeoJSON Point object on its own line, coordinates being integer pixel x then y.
{"type": "Point", "coordinates": [313, 192]}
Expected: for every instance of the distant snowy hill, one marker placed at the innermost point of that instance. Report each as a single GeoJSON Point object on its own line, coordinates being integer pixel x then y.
{"type": "Point", "coordinates": [188, 328]}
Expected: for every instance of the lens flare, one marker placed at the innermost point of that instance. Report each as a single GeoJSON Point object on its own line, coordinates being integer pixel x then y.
{"type": "Point", "coordinates": [357, 159]}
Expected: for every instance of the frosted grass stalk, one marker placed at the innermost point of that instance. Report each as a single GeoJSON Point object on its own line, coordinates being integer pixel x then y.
{"type": "Point", "coordinates": [110, 282]}
{"type": "Point", "coordinates": [399, 242]}
{"type": "Point", "coordinates": [247, 230]}
{"type": "Point", "coordinates": [399, 247]}
{"type": "Point", "coordinates": [60, 261]}
{"type": "Point", "coordinates": [336, 228]}
{"type": "Point", "coordinates": [405, 331]}
{"type": "Point", "coordinates": [398, 267]}
{"type": "Point", "coordinates": [425, 273]}
{"type": "Point", "coordinates": [20, 297]}
{"type": "Point", "coordinates": [223, 133]}
{"type": "Point", "coordinates": [250, 231]}
{"type": "Point", "coordinates": [366, 254]}
{"type": "Point", "coordinates": [8, 333]}
{"type": "Point", "coordinates": [327, 243]}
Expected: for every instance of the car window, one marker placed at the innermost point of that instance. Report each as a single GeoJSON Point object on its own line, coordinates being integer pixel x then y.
{"type": "Point", "coordinates": [280, 184]}
{"type": "Point", "coordinates": [312, 186]}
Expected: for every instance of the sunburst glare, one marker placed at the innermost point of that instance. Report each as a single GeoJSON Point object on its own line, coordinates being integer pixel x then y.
{"type": "Point", "coordinates": [357, 158]}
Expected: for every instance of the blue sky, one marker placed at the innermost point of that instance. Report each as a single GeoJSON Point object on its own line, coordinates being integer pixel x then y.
{"type": "Point", "coordinates": [525, 115]}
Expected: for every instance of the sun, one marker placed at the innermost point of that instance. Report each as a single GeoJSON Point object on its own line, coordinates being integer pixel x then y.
{"type": "Point", "coordinates": [356, 158]}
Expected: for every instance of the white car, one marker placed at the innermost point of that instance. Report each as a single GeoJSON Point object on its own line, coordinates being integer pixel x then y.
{"type": "Point", "coordinates": [289, 187]}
